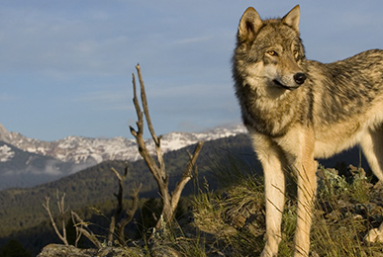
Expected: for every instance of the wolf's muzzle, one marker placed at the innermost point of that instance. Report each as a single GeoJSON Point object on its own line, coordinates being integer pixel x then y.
{"type": "Point", "coordinates": [300, 78]}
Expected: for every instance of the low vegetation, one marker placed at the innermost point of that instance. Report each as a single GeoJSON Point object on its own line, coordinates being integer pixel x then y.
{"type": "Point", "coordinates": [229, 221]}
{"type": "Point", "coordinates": [347, 209]}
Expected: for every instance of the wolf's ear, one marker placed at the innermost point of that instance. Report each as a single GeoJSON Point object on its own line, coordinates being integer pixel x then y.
{"type": "Point", "coordinates": [249, 25]}
{"type": "Point", "coordinates": [292, 18]}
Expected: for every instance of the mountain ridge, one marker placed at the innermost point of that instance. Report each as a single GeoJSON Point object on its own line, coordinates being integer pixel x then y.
{"type": "Point", "coordinates": [77, 149]}
{"type": "Point", "coordinates": [74, 153]}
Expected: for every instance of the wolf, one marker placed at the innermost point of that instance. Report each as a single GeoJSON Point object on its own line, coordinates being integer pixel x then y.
{"type": "Point", "coordinates": [296, 110]}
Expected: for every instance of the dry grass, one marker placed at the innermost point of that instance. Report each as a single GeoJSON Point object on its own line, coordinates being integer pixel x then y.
{"type": "Point", "coordinates": [346, 210]}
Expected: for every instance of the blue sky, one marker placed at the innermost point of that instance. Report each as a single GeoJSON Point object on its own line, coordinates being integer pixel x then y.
{"type": "Point", "coordinates": [65, 66]}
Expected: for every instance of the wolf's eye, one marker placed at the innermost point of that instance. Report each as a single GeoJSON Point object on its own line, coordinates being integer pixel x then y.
{"type": "Point", "coordinates": [272, 53]}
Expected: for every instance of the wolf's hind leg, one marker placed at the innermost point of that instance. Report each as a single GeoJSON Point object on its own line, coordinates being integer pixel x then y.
{"type": "Point", "coordinates": [372, 146]}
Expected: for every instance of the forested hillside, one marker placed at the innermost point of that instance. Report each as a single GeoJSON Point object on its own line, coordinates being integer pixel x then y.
{"type": "Point", "coordinates": [22, 208]}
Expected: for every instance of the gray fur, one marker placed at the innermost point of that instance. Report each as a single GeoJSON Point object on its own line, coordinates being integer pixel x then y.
{"type": "Point", "coordinates": [297, 109]}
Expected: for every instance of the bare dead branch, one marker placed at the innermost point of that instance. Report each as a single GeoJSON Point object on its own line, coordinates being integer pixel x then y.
{"type": "Point", "coordinates": [78, 231]}
{"type": "Point", "coordinates": [129, 215]}
{"type": "Point", "coordinates": [139, 123]}
{"type": "Point", "coordinates": [138, 134]}
{"type": "Point", "coordinates": [145, 106]}
{"type": "Point", "coordinates": [157, 140]}
{"type": "Point", "coordinates": [186, 176]}
{"type": "Point", "coordinates": [126, 170]}
{"type": "Point", "coordinates": [53, 222]}
{"type": "Point", "coordinates": [120, 179]}
{"type": "Point", "coordinates": [83, 229]}
{"type": "Point", "coordinates": [61, 207]}
{"type": "Point", "coordinates": [129, 212]}
{"type": "Point", "coordinates": [119, 208]}
{"type": "Point", "coordinates": [157, 168]}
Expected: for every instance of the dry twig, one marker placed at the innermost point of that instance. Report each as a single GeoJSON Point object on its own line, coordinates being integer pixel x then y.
{"type": "Point", "coordinates": [129, 212]}
{"type": "Point", "coordinates": [60, 203]}
{"type": "Point", "coordinates": [82, 229]}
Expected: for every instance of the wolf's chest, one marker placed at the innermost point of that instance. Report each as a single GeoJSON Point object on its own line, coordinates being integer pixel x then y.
{"type": "Point", "coordinates": [270, 118]}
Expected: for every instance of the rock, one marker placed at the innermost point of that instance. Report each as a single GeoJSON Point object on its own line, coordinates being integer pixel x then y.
{"type": "Point", "coordinates": [334, 215]}
{"type": "Point", "coordinates": [56, 250]}
{"type": "Point", "coordinates": [375, 235]}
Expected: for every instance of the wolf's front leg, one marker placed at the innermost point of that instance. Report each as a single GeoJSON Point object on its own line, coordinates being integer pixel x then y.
{"type": "Point", "coordinates": [275, 200]}
{"type": "Point", "coordinates": [273, 163]}
{"type": "Point", "coordinates": [307, 185]}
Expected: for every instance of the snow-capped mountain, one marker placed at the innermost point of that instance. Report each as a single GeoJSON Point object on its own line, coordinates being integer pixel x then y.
{"type": "Point", "coordinates": [27, 162]}
{"type": "Point", "coordinates": [81, 150]}
{"type": "Point", "coordinates": [19, 168]}
{"type": "Point", "coordinates": [6, 153]}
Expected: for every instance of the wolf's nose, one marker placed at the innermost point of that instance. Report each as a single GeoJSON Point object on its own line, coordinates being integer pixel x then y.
{"type": "Point", "coordinates": [300, 78]}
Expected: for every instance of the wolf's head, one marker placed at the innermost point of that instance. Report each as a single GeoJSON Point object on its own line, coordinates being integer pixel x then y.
{"type": "Point", "coordinates": [269, 52]}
